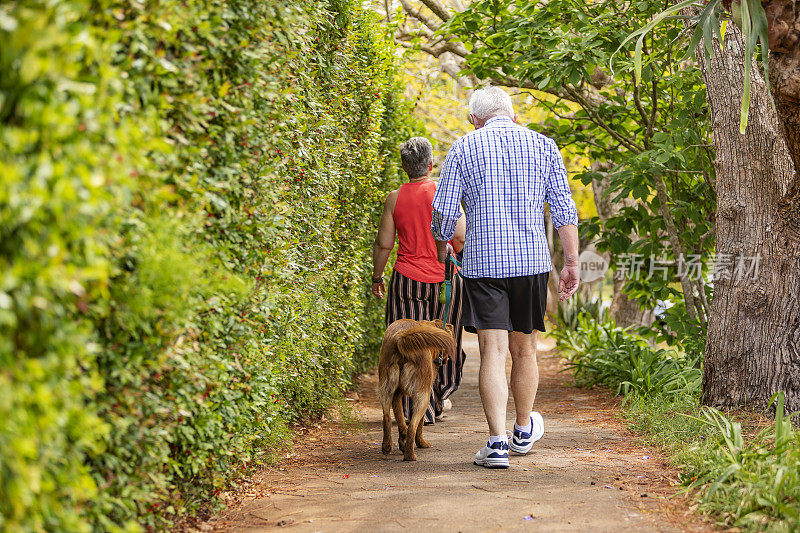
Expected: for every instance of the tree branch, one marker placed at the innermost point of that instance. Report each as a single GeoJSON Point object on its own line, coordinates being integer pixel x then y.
{"type": "Point", "coordinates": [438, 9]}
{"type": "Point", "coordinates": [417, 14]}
{"type": "Point", "coordinates": [591, 111]}
{"type": "Point", "coordinates": [404, 34]}
{"type": "Point", "coordinates": [654, 109]}
{"type": "Point", "coordinates": [435, 51]}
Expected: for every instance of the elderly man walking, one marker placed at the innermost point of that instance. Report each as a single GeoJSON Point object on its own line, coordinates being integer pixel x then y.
{"type": "Point", "coordinates": [504, 173]}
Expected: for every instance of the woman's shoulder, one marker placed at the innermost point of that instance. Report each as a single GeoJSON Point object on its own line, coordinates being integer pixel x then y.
{"type": "Point", "coordinates": [428, 184]}
{"type": "Point", "coordinates": [391, 199]}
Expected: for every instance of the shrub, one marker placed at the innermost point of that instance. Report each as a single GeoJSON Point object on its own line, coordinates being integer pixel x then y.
{"type": "Point", "coordinates": [568, 311]}
{"type": "Point", "coordinates": [601, 353]}
{"type": "Point", "coordinates": [186, 206]}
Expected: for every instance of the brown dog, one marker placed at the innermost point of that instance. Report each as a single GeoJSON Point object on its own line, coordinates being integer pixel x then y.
{"type": "Point", "coordinates": [408, 361]}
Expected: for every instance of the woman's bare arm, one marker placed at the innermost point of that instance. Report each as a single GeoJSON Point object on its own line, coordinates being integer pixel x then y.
{"type": "Point", "coordinates": [384, 244]}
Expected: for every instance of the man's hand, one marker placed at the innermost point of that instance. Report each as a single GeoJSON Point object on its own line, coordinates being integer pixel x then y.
{"type": "Point", "coordinates": [443, 249]}
{"type": "Point", "coordinates": [570, 275]}
{"type": "Point", "coordinates": [570, 279]}
{"type": "Point", "coordinates": [379, 289]}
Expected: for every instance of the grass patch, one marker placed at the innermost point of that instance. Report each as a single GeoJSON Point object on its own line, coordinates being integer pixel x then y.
{"type": "Point", "coordinates": [668, 423]}
{"type": "Point", "coordinates": [349, 417]}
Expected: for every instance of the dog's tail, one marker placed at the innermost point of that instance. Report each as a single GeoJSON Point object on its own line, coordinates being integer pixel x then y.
{"type": "Point", "coordinates": [416, 341]}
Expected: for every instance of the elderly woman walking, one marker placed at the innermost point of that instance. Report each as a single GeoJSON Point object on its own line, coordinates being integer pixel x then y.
{"type": "Point", "coordinates": [418, 275]}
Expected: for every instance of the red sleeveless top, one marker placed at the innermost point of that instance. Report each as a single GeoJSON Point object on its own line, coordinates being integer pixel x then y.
{"type": "Point", "coordinates": [416, 256]}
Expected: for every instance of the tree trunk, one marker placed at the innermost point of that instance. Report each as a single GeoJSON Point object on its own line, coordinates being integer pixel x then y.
{"type": "Point", "coordinates": [624, 311]}
{"type": "Point", "coordinates": [753, 343]}
{"type": "Point", "coordinates": [677, 246]}
{"type": "Point", "coordinates": [784, 77]}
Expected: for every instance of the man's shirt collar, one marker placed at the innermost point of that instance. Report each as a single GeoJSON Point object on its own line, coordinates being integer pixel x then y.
{"type": "Point", "coordinates": [498, 119]}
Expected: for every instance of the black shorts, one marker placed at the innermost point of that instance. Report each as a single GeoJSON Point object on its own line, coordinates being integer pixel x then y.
{"type": "Point", "coordinates": [512, 304]}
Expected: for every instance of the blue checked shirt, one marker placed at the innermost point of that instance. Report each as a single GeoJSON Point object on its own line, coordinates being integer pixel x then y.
{"type": "Point", "coordinates": [504, 173]}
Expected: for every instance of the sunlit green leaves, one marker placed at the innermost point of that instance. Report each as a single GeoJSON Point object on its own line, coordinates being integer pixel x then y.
{"type": "Point", "coordinates": [748, 14]}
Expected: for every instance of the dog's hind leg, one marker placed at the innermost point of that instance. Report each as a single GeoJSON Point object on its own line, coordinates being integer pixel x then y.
{"type": "Point", "coordinates": [386, 446]}
{"type": "Point", "coordinates": [400, 418]}
{"type": "Point", "coordinates": [387, 389]}
{"type": "Point", "coordinates": [415, 425]}
{"type": "Point", "coordinates": [421, 442]}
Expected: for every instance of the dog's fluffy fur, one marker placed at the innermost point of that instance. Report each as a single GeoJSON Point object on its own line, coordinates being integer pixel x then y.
{"type": "Point", "coordinates": [407, 366]}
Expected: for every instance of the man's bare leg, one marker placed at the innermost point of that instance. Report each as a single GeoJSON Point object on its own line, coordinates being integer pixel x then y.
{"type": "Point", "coordinates": [524, 374]}
{"type": "Point", "coordinates": [492, 382]}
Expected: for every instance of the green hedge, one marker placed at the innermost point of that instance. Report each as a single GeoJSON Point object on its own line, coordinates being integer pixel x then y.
{"type": "Point", "coordinates": [188, 197]}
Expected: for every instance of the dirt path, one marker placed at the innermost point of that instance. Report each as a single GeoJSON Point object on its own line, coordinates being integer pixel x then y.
{"type": "Point", "coordinates": [586, 474]}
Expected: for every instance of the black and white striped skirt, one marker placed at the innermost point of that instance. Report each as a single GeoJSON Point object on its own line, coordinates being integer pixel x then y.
{"type": "Point", "coordinates": [407, 298]}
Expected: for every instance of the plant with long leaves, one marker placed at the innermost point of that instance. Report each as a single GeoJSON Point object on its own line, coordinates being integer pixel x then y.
{"type": "Point", "coordinates": [748, 15]}
{"type": "Point", "coordinates": [755, 481]}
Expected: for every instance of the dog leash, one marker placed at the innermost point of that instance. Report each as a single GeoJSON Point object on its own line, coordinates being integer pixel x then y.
{"type": "Point", "coordinates": [448, 286]}
{"type": "Point", "coordinates": [448, 295]}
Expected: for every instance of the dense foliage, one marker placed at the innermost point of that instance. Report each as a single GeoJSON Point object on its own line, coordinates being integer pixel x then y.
{"type": "Point", "coordinates": [601, 353]}
{"type": "Point", "coordinates": [184, 198]}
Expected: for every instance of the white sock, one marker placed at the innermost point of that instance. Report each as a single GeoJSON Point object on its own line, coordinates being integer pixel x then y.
{"type": "Point", "coordinates": [524, 429]}
{"type": "Point", "coordinates": [497, 438]}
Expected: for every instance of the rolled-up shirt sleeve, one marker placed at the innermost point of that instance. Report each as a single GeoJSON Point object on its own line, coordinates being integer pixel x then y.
{"type": "Point", "coordinates": [557, 192]}
{"type": "Point", "coordinates": [448, 197]}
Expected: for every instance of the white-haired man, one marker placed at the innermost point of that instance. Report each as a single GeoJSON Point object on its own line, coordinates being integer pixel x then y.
{"type": "Point", "coordinates": [504, 173]}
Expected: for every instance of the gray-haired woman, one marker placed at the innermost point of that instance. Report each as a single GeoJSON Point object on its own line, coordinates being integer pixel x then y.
{"type": "Point", "coordinates": [417, 276]}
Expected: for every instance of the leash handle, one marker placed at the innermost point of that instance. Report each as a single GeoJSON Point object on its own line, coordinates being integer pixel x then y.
{"type": "Point", "coordinates": [449, 267]}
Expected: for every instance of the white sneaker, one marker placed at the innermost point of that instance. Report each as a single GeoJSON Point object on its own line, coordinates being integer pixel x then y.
{"type": "Point", "coordinates": [493, 455]}
{"type": "Point", "coordinates": [522, 442]}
